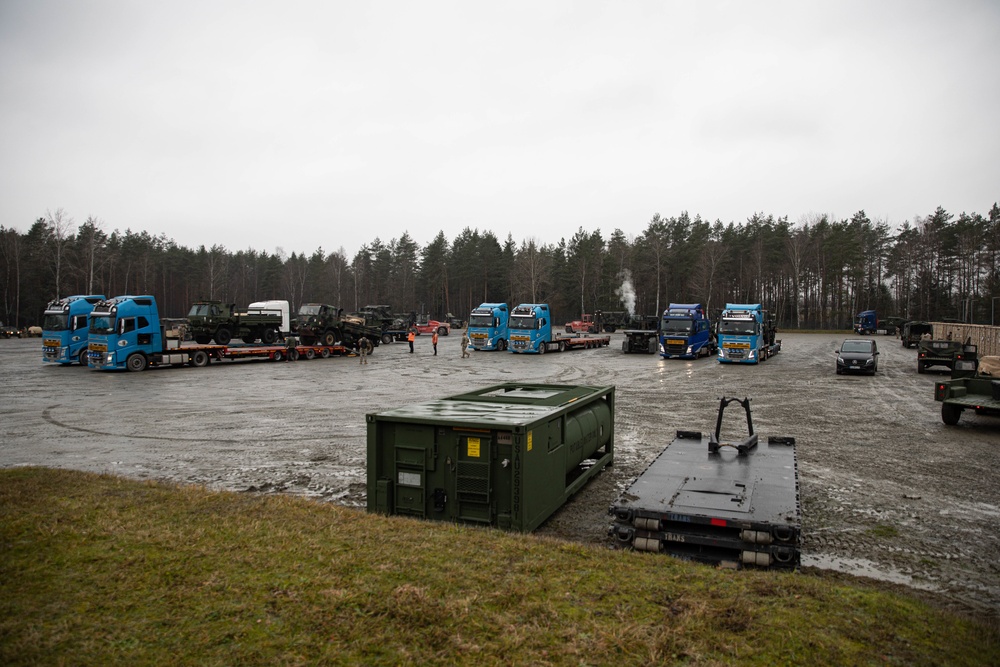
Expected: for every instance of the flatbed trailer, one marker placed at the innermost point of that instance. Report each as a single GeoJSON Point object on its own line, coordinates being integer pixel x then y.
{"type": "Point", "coordinates": [563, 342]}
{"type": "Point", "coordinates": [202, 355]}
{"type": "Point", "coordinates": [727, 504]}
{"type": "Point", "coordinates": [282, 352]}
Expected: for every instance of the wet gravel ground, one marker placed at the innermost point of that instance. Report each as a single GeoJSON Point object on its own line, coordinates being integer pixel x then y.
{"type": "Point", "coordinates": [888, 491]}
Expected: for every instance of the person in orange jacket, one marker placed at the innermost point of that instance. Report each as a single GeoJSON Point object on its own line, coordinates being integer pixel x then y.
{"type": "Point", "coordinates": [410, 337]}
{"type": "Point", "coordinates": [434, 342]}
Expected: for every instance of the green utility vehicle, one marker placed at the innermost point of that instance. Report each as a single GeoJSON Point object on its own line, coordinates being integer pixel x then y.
{"type": "Point", "coordinates": [323, 324]}
{"type": "Point", "coordinates": [943, 353]}
{"type": "Point", "coordinates": [970, 388]}
{"type": "Point", "coordinates": [266, 321]}
{"type": "Point", "coordinates": [912, 331]}
{"type": "Point", "coordinates": [506, 456]}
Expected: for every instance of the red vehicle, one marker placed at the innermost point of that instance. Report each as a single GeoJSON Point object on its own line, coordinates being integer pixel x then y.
{"type": "Point", "coordinates": [584, 325]}
{"type": "Point", "coordinates": [430, 326]}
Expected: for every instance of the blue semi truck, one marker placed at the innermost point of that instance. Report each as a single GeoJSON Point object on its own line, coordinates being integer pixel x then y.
{"type": "Point", "coordinates": [65, 329]}
{"type": "Point", "coordinates": [686, 332]}
{"type": "Point", "coordinates": [489, 327]}
{"type": "Point", "coordinates": [746, 334]}
{"type": "Point", "coordinates": [531, 332]}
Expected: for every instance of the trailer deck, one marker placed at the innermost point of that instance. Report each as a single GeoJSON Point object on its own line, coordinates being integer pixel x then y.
{"type": "Point", "coordinates": [728, 504]}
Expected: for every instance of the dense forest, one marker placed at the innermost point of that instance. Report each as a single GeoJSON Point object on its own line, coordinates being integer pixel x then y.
{"type": "Point", "coordinates": [816, 274]}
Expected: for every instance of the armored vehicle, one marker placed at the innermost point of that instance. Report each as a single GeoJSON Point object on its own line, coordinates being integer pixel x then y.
{"type": "Point", "coordinates": [319, 323]}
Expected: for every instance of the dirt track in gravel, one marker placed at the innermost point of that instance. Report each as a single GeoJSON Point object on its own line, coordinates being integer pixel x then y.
{"type": "Point", "coordinates": [888, 491]}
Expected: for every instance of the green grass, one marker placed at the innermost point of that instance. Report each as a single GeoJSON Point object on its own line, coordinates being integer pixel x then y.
{"type": "Point", "coordinates": [97, 570]}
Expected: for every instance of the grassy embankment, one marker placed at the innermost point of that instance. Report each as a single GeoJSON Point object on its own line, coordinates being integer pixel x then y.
{"type": "Point", "coordinates": [96, 570]}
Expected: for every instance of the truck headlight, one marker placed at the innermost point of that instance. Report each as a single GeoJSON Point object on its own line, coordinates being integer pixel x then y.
{"type": "Point", "coordinates": [689, 350]}
{"type": "Point", "coordinates": [752, 355]}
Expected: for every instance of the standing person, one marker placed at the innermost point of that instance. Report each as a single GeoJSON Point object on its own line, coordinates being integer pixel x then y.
{"type": "Point", "coordinates": [364, 346]}
{"type": "Point", "coordinates": [465, 345]}
{"type": "Point", "coordinates": [410, 337]}
{"type": "Point", "coordinates": [434, 342]}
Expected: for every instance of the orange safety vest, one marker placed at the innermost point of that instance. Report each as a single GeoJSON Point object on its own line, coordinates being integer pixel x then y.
{"type": "Point", "coordinates": [434, 338]}
{"type": "Point", "coordinates": [411, 336]}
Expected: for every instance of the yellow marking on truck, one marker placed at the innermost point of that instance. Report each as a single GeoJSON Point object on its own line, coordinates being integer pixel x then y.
{"type": "Point", "coordinates": [98, 347]}
{"type": "Point", "coordinates": [473, 444]}
{"type": "Point", "coordinates": [674, 341]}
{"type": "Point", "coordinates": [529, 441]}
{"type": "Point", "coordinates": [51, 342]}
{"type": "Point", "coordinates": [737, 345]}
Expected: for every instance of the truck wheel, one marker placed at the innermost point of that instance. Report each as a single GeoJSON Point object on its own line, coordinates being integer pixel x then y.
{"type": "Point", "coordinates": [279, 355]}
{"type": "Point", "coordinates": [442, 331]}
{"type": "Point", "coordinates": [199, 359]}
{"type": "Point", "coordinates": [386, 339]}
{"type": "Point", "coordinates": [625, 345]}
{"type": "Point", "coordinates": [136, 363]}
{"type": "Point", "coordinates": [562, 346]}
{"type": "Point", "coordinates": [950, 414]}
{"type": "Point", "coordinates": [82, 357]}
{"type": "Point", "coordinates": [652, 346]}
{"type": "Point", "coordinates": [223, 336]}
{"type": "Point", "coordinates": [569, 329]}
{"type": "Point", "coordinates": [542, 347]}
{"type": "Point", "coordinates": [325, 352]}
{"type": "Point", "coordinates": [310, 354]}
{"type": "Point", "coordinates": [329, 338]}
{"type": "Point", "coordinates": [269, 336]}
{"type": "Point", "coordinates": [920, 367]}
{"type": "Point", "coordinates": [502, 345]}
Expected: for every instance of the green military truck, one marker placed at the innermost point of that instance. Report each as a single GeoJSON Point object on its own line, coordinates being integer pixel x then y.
{"type": "Point", "coordinates": [323, 324]}
{"type": "Point", "coordinates": [266, 321]}
{"type": "Point", "coordinates": [912, 331]}
{"type": "Point", "coordinates": [970, 388]}
{"type": "Point", "coordinates": [943, 353]}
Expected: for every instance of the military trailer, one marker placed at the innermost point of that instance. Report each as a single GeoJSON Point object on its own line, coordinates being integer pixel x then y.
{"type": "Point", "coordinates": [973, 387]}
{"type": "Point", "coordinates": [731, 504]}
{"type": "Point", "coordinates": [506, 456]}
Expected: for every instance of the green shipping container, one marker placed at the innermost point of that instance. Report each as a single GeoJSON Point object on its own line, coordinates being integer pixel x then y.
{"type": "Point", "coordinates": [506, 456]}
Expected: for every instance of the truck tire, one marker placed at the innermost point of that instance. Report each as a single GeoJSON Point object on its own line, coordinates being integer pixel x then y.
{"type": "Point", "coordinates": [569, 329]}
{"type": "Point", "coordinates": [386, 339]}
{"type": "Point", "coordinates": [82, 357]}
{"type": "Point", "coordinates": [278, 355]}
{"type": "Point", "coordinates": [329, 338]}
{"type": "Point", "coordinates": [542, 347]}
{"type": "Point", "coordinates": [625, 345]}
{"type": "Point", "coordinates": [502, 345]}
{"type": "Point", "coordinates": [325, 353]}
{"type": "Point", "coordinates": [269, 336]}
{"type": "Point", "coordinates": [310, 354]}
{"type": "Point", "coordinates": [920, 367]}
{"type": "Point", "coordinates": [950, 414]}
{"type": "Point", "coordinates": [199, 359]}
{"type": "Point", "coordinates": [136, 362]}
{"type": "Point", "coordinates": [562, 346]}
{"type": "Point", "coordinates": [223, 336]}
{"type": "Point", "coordinates": [652, 345]}
{"type": "Point", "coordinates": [442, 331]}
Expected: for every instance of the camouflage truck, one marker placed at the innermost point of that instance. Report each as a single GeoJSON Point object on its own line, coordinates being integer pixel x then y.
{"type": "Point", "coordinates": [214, 320]}
{"type": "Point", "coordinates": [973, 387]}
{"type": "Point", "coordinates": [943, 353]}
{"type": "Point", "coordinates": [912, 331]}
{"type": "Point", "coordinates": [323, 324]}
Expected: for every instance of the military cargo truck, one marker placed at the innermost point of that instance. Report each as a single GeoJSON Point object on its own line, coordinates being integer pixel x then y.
{"type": "Point", "coordinates": [913, 331]}
{"type": "Point", "coordinates": [943, 353]}
{"type": "Point", "coordinates": [210, 320]}
{"type": "Point", "coordinates": [323, 324]}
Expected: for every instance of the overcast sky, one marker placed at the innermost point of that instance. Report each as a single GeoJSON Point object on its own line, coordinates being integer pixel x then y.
{"type": "Point", "coordinates": [307, 124]}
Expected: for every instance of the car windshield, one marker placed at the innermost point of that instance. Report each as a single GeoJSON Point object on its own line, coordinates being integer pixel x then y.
{"type": "Point", "coordinates": [58, 322]}
{"type": "Point", "coordinates": [522, 323]}
{"type": "Point", "coordinates": [856, 346]}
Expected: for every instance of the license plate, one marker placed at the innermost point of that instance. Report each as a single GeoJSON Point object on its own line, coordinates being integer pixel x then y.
{"type": "Point", "coordinates": [674, 341]}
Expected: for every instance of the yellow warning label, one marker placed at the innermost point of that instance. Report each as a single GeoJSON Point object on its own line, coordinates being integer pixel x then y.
{"type": "Point", "coordinates": [529, 441]}
{"type": "Point", "coordinates": [473, 444]}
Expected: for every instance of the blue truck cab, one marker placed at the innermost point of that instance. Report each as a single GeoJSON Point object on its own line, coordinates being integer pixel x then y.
{"type": "Point", "coordinates": [866, 323]}
{"type": "Point", "coordinates": [686, 332]}
{"type": "Point", "coordinates": [746, 334]}
{"type": "Point", "coordinates": [489, 327]}
{"type": "Point", "coordinates": [530, 328]}
{"type": "Point", "coordinates": [125, 332]}
{"type": "Point", "coordinates": [65, 329]}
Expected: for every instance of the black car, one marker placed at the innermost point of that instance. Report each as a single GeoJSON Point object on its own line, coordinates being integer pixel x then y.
{"type": "Point", "coordinates": [857, 356]}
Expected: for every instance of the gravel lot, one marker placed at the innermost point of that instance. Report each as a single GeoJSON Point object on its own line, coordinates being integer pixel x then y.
{"type": "Point", "coordinates": [888, 491]}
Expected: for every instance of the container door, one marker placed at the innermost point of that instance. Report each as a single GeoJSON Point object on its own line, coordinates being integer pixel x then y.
{"type": "Point", "coordinates": [411, 480]}
{"type": "Point", "coordinates": [472, 483]}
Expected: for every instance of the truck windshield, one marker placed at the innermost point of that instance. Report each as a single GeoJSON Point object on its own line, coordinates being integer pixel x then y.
{"type": "Point", "coordinates": [677, 327]}
{"type": "Point", "coordinates": [200, 310]}
{"type": "Point", "coordinates": [481, 321]}
{"type": "Point", "coordinates": [59, 322]}
{"type": "Point", "coordinates": [523, 323]}
{"type": "Point", "coordinates": [738, 327]}
{"type": "Point", "coordinates": [102, 324]}
{"type": "Point", "coordinates": [309, 310]}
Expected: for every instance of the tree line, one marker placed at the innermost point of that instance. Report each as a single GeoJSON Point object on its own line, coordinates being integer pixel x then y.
{"type": "Point", "coordinates": [818, 273]}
